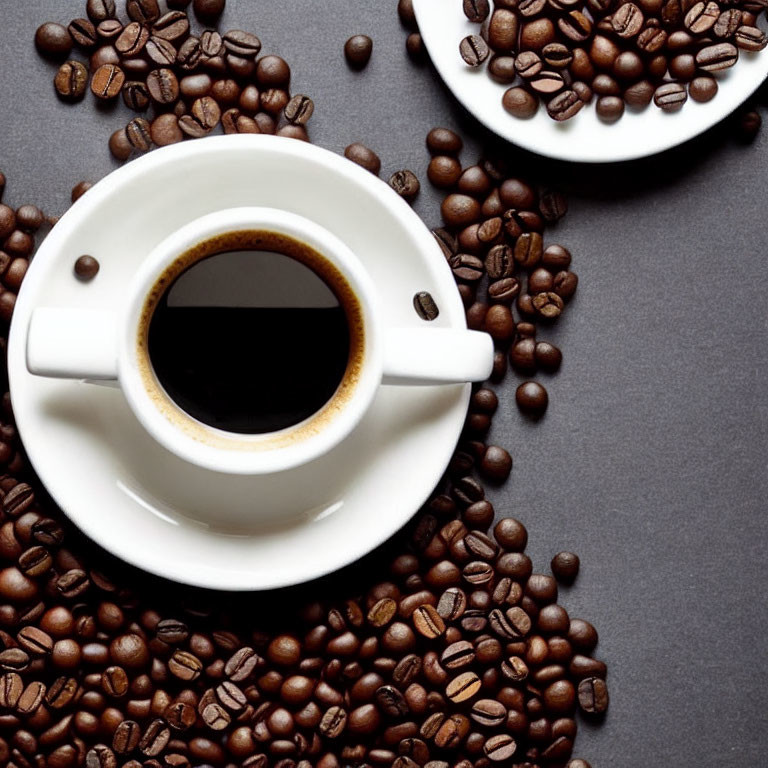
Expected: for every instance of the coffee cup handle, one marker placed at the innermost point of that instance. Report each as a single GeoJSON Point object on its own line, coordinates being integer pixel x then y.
{"type": "Point", "coordinates": [436, 356]}
{"type": "Point", "coordinates": [72, 344]}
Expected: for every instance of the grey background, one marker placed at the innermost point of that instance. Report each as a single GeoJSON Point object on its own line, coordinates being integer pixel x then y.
{"type": "Point", "coordinates": [650, 462]}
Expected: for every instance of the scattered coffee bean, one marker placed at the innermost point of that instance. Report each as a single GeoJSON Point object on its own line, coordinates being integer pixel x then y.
{"type": "Point", "coordinates": [53, 40]}
{"type": "Point", "coordinates": [406, 184]}
{"type": "Point", "coordinates": [208, 11]}
{"type": "Point", "coordinates": [364, 157]}
{"type": "Point", "coordinates": [358, 50]}
{"type": "Point", "coordinates": [531, 398]}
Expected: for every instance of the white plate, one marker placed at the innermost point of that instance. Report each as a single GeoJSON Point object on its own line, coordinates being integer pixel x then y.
{"type": "Point", "coordinates": [583, 138]}
{"type": "Point", "coordinates": [147, 506]}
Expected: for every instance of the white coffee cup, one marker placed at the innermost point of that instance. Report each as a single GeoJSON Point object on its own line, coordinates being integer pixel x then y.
{"type": "Point", "coordinates": [100, 345]}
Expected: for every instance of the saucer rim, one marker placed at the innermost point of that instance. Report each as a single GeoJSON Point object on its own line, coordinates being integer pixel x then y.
{"type": "Point", "coordinates": [235, 579]}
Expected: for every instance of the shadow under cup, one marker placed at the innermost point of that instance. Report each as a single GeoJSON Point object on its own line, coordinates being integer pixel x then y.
{"type": "Point", "coordinates": [251, 333]}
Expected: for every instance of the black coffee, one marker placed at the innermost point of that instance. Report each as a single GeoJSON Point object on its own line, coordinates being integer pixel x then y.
{"type": "Point", "coordinates": [249, 341]}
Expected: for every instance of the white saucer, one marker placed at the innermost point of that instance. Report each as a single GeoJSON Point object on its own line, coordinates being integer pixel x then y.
{"type": "Point", "coordinates": [583, 138]}
{"type": "Point", "coordinates": [148, 507]}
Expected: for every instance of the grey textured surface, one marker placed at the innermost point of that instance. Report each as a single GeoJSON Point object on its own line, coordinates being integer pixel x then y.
{"type": "Point", "coordinates": [650, 462]}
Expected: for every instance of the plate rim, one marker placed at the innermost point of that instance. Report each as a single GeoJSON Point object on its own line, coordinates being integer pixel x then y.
{"type": "Point", "coordinates": [729, 98]}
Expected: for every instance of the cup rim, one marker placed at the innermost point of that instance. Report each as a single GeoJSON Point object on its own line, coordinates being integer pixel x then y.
{"type": "Point", "coordinates": [227, 452]}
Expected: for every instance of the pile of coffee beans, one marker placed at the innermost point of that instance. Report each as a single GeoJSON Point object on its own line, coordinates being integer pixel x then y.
{"type": "Point", "coordinates": [564, 52]}
{"type": "Point", "coordinates": [493, 239]}
{"type": "Point", "coordinates": [460, 657]}
{"type": "Point", "coordinates": [187, 84]}
{"type": "Point", "coordinates": [18, 229]}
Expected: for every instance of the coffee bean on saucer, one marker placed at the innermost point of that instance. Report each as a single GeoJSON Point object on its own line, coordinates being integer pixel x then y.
{"type": "Point", "coordinates": [476, 10]}
{"type": "Point", "coordinates": [406, 184]}
{"type": "Point", "coordinates": [520, 102]}
{"type": "Point", "coordinates": [53, 40]}
{"type": "Point", "coordinates": [474, 50]}
{"type": "Point", "coordinates": [358, 50]}
{"type": "Point", "coordinates": [703, 88]}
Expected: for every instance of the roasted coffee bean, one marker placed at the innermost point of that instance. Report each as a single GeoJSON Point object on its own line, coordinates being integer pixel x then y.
{"type": "Point", "coordinates": [367, 158]}
{"type": "Point", "coordinates": [581, 667]}
{"type": "Point", "coordinates": [443, 141]}
{"type": "Point", "coordinates": [100, 756]}
{"type": "Point", "coordinates": [189, 54]}
{"type": "Point", "coordinates": [132, 40]}
{"type": "Point", "coordinates": [458, 655]}
{"type": "Point", "coordinates": [520, 103]}
{"type": "Point", "coordinates": [488, 713]}
{"type": "Point", "coordinates": [100, 10]}
{"type": "Point", "coordinates": [72, 583]}
{"type": "Point", "coordinates": [547, 82]}
{"type": "Point", "coordinates": [503, 30]}
{"type": "Point", "coordinates": [452, 732]}
{"type": "Point", "coordinates": [557, 55]}
{"type": "Point", "coordinates": [425, 306]}
{"type": "Point", "coordinates": [243, 44]}
{"type": "Point", "coordinates": [171, 26]}
{"type": "Point", "coordinates": [208, 10]}
{"type": "Point", "coordinates": [185, 666]}
{"type": "Point", "coordinates": [160, 52]}
{"type": "Point", "coordinates": [114, 682]}
{"type": "Point", "coordinates": [714, 58]}
{"type": "Point", "coordinates": [358, 50]}
{"type": "Point", "coordinates": [750, 38]}
{"type": "Point", "coordinates": [333, 722]}
{"type": "Point", "coordinates": [135, 95]}
{"type": "Point", "coordinates": [670, 96]}
{"type": "Point", "coordinates": [593, 696]}
{"type": "Point", "coordinates": [452, 604]}
{"type": "Point", "coordinates": [242, 664]}
{"type": "Point", "coordinates": [703, 89]}
{"type": "Point", "coordinates": [405, 184]}
{"type": "Point", "coordinates": [11, 688]}
{"type": "Point", "coordinates": [565, 566]}
{"type": "Point", "coordinates": [83, 33]}
{"type": "Point", "coordinates": [564, 106]}
{"type": "Point", "coordinates": [18, 500]}
{"type": "Point", "coordinates": [126, 737]}
{"type": "Point", "coordinates": [627, 20]}
{"type": "Point", "coordinates": [463, 687]}
{"type": "Point", "coordinates": [500, 748]}
{"type": "Point", "coordinates": [701, 17]}
{"type": "Point", "coordinates": [31, 698]}
{"type": "Point", "coordinates": [180, 715]}
{"type": "Point", "coordinates": [528, 249]}
{"type": "Point", "coordinates": [444, 171]}
{"type": "Point", "coordinates": [163, 86]}
{"type": "Point", "coordinates": [155, 738]}
{"type": "Point", "coordinates": [34, 641]}
{"type": "Point", "coordinates": [391, 701]}
{"type": "Point", "coordinates": [477, 572]}
{"type": "Point", "coordinates": [474, 50]}
{"type": "Point", "coordinates": [109, 29]}
{"type": "Point", "coordinates": [107, 81]}
{"type": "Point", "coordinates": [61, 692]}
{"type": "Point", "coordinates": [139, 135]}
{"type": "Point", "coordinates": [299, 109]}
{"type": "Point", "coordinates": [575, 26]}
{"type": "Point", "coordinates": [53, 40]}
{"type": "Point", "coordinates": [143, 11]}
{"type": "Point", "coordinates": [86, 268]}
{"type": "Point", "coordinates": [476, 10]}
